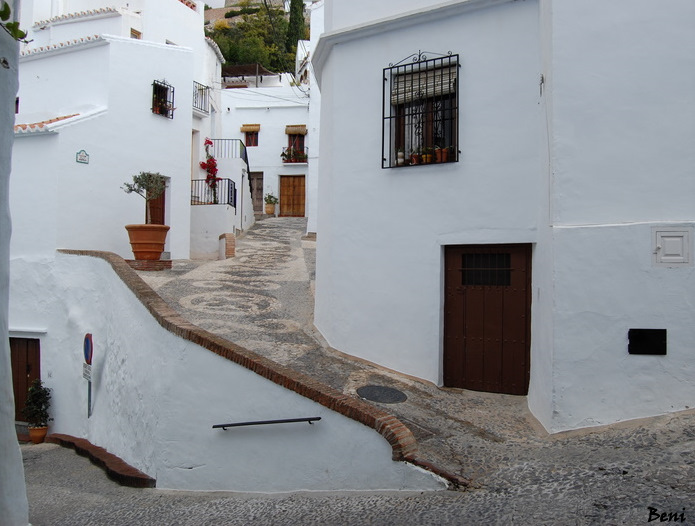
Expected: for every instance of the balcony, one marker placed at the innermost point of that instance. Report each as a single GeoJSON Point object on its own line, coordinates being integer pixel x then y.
{"type": "Point", "coordinates": [295, 155]}
{"type": "Point", "coordinates": [223, 192]}
{"type": "Point", "coordinates": [201, 98]}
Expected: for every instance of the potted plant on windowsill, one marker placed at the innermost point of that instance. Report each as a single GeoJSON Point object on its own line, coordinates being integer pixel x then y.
{"type": "Point", "coordinates": [270, 202]}
{"type": "Point", "coordinates": [36, 411]}
{"type": "Point", "coordinates": [147, 241]}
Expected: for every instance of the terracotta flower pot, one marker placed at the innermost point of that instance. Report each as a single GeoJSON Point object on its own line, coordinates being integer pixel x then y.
{"type": "Point", "coordinates": [147, 241]}
{"type": "Point", "coordinates": [37, 434]}
{"type": "Point", "coordinates": [270, 209]}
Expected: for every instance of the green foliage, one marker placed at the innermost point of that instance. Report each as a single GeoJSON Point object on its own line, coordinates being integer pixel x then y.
{"type": "Point", "coordinates": [270, 199]}
{"type": "Point", "coordinates": [12, 28]}
{"type": "Point", "coordinates": [242, 11]}
{"type": "Point", "coordinates": [38, 403]}
{"type": "Point", "coordinates": [149, 186]}
{"type": "Point", "coordinates": [296, 29]}
{"type": "Point", "coordinates": [260, 36]}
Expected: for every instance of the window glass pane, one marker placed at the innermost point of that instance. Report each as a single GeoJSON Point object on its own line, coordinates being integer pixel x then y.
{"type": "Point", "coordinates": [486, 269]}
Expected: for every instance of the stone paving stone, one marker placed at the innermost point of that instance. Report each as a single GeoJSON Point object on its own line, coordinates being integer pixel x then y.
{"type": "Point", "coordinates": [262, 299]}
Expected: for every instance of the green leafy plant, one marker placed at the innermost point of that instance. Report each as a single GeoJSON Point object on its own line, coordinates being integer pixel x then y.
{"type": "Point", "coordinates": [12, 28]}
{"type": "Point", "coordinates": [38, 403]}
{"type": "Point", "coordinates": [270, 199]}
{"type": "Point", "coordinates": [148, 185]}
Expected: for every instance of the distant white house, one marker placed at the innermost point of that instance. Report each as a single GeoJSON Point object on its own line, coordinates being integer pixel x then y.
{"type": "Point", "coordinates": [506, 199]}
{"type": "Point", "coordinates": [277, 117]}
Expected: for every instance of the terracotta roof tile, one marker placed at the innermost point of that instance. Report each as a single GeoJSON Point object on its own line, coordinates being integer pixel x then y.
{"type": "Point", "coordinates": [38, 126]}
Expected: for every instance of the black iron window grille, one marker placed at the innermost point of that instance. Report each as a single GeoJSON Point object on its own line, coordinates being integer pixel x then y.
{"type": "Point", "coordinates": [420, 111]}
{"type": "Point", "coordinates": [163, 99]}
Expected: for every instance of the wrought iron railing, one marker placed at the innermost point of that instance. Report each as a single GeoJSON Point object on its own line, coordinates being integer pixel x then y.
{"type": "Point", "coordinates": [310, 419]}
{"type": "Point", "coordinates": [229, 149]}
{"type": "Point", "coordinates": [223, 192]}
{"type": "Point", "coordinates": [201, 97]}
{"type": "Point", "coordinates": [294, 155]}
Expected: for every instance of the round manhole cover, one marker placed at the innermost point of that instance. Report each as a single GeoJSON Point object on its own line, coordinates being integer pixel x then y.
{"type": "Point", "coordinates": [379, 393]}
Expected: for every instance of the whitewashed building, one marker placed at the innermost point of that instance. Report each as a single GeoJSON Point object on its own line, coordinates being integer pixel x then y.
{"type": "Point", "coordinates": [107, 92]}
{"type": "Point", "coordinates": [550, 253]}
{"type": "Point", "coordinates": [272, 122]}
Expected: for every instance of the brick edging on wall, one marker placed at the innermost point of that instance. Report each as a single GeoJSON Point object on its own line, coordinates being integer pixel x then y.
{"type": "Point", "coordinates": [116, 469]}
{"type": "Point", "coordinates": [403, 443]}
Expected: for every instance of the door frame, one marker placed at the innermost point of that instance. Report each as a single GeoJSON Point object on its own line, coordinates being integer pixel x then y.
{"type": "Point", "coordinates": [528, 249]}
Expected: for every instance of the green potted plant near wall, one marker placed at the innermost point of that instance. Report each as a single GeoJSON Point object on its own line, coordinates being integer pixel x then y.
{"type": "Point", "coordinates": [36, 410]}
{"type": "Point", "coordinates": [270, 202]}
{"type": "Point", "coordinates": [147, 241]}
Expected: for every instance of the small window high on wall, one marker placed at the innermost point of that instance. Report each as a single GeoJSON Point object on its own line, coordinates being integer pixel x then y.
{"type": "Point", "coordinates": [250, 132]}
{"type": "Point", "coordinates": [163, 99]}
{"type": "Point", "coordinates": [420, 111]}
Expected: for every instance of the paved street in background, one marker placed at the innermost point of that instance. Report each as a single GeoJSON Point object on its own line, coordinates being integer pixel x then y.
{"type": "Point", "coordinates": [262, 299]}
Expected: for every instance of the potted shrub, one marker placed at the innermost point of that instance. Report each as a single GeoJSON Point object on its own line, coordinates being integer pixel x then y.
{"type": "Point", "coordinates": [147, 241]}
{"type": "Point", "coordinates": [427, 155]}
{"type": "Point", "coordinates": [36, 411]}
{"type": "Point", "coordinates": [270, 202]}
{"type": "Point", "coordinates": [415, 156]}
{"type": "Point", "coordinates": [441, 155]}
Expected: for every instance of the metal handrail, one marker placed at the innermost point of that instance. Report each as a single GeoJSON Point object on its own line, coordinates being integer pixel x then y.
{"type": "Point", "coordinates": [310, 419]}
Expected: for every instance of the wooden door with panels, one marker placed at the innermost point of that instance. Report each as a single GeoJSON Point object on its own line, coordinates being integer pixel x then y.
{"type": "Point", "coordinates": [292, 195]}
{"type": "Point", "coordinates": [487, 314]}
{"type": "Point", "coordinates": [25, 357]}
{"type": "Point", "coordinates": [256, 183]}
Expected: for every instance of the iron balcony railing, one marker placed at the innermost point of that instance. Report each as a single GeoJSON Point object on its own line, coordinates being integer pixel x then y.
{"type": "Point", "coordinates": [229, 149]}
{"type": "Point", "coordinates": [201, 97]}
{"type": "Point", "coordinates": [294, 155]}
{"type": "Point", "coordinates": [223, 192]}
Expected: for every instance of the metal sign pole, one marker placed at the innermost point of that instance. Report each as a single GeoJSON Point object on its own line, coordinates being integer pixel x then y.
{"type": "Point", "coordinates": [87, 369]}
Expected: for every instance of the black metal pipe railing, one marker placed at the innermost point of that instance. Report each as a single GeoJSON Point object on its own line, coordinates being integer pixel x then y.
{"type": "Point", "coordinates": [310, 419]}
{"type": "Point", "coordinates": [222, 193]}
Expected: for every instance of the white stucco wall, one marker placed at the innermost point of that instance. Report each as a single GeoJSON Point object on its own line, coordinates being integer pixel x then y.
{"type": "Point", "coordinates": [207, 223]}
{"type": "Point", "coordinates": [312, 195]}
{"type": "Point", "coordinates": [379, 288]}
{"type": "Point", "coordinates": [82, 204]}
{"type": "Point", "coordinates": [156, 397]}
{"type": "Point", "coordinates": [13, 497]}
{"type": "Point", "coordinates": [622, 163]}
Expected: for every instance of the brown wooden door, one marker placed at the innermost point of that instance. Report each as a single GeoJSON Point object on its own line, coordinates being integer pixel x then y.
{"type": "Point", "coordinates": [487, 318]}
{"type": "Point", "coordinates": [256, 182]}
{"type": "Point", "coordinates": [292, 195]}
{"type": "Point", "coordinates": [157, 210]}
{"type": "Point", "coordinates": [26, 367]}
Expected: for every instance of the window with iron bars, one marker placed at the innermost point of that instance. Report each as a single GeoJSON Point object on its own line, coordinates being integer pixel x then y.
{"type": "Point", "coordinates": [420, 111]}
{"type": "Point", "coordinates": [163, 99]}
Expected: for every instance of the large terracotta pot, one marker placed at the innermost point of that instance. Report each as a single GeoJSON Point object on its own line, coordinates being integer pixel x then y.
{"type": "Point", "coordinates": [147, 241]}
{"type": "Point", "coordinates": [270, 209]}
{"type": "Point", "coordinates": [37, 434]}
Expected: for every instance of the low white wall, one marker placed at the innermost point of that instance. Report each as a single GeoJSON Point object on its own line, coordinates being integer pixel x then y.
{"type": "Point", "coordinates": [156, 397]}
{"type": "Point", "coordinates": [605, 284]}
{"type": "Point", "coordinates": [207, 223]}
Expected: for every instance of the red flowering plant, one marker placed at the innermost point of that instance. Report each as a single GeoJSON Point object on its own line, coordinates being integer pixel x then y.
{"type": "Point", "coordinates": [210, 166]}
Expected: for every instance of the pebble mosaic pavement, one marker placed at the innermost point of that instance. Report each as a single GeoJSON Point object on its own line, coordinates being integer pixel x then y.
{"type": "Point", "coordinates": [262, 299]}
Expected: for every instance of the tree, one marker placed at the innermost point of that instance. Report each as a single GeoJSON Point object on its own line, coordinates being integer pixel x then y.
{"type": "Point", "coordinates": [296, 30]}
{"type": "Point", "coordinates": [256, 35]}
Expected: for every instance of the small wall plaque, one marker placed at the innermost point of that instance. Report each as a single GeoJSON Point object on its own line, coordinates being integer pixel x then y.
{"type": "Point", "coordinates": [82, 157]}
